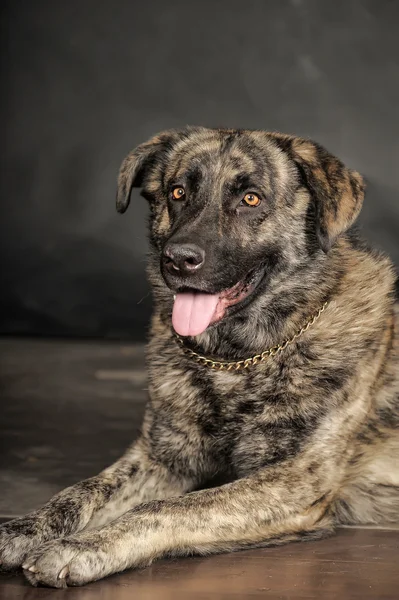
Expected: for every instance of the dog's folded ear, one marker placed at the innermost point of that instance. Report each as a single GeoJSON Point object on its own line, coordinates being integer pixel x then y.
{"type": "Point", "coordinates": [337, 191]}
{"type": "Point", "coordinates": [138, 163]}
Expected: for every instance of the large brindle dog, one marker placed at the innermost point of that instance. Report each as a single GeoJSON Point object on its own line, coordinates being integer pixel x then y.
{"type": "Point", "coordinates": [273, 361]}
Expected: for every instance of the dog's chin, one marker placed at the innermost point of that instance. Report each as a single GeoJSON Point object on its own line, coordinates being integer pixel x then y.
{"type": "Point", "coordinates": [222, 303]}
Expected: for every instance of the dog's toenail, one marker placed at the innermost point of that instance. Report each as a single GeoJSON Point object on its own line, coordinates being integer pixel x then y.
{"type": "Point", "coordinates": [63, 573]}
{"type": "Point", "coordinates": [32, 569]}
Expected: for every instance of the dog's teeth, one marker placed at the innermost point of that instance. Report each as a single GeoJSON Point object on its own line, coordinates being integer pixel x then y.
{"type": "Point", "coordinates": [174, 296]}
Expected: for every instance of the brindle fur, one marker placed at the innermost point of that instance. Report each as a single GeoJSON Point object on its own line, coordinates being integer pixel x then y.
{"type": "Point", "coordinates": [301, 443]}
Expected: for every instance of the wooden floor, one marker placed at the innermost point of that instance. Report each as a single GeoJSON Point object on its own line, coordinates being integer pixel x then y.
{"type": "Point", "coordinates": [69, 409]}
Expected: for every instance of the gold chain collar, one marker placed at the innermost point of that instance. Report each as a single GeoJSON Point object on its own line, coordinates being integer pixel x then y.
{"type": "Point", "coordinates": [253, 360]}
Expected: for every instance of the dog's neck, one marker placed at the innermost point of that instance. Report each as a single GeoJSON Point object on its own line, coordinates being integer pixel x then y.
{"type": "Point", "coordinates": [235, 339]}
{"type": "Point", "coordinates": [260, 356]}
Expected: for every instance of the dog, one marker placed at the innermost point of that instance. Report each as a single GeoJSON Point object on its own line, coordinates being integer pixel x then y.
{"type": "Point", "coordinates": [273, 359]}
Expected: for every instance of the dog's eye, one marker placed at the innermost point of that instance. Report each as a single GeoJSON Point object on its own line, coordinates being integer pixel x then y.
{"type": "Point", "coordinates": [178, 193]}
{"type": "Point", "coordinates": [251, 200]}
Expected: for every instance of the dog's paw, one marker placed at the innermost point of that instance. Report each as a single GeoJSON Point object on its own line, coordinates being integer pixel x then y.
{"type": "Point", "coordinates": [17, 538]}
{"type": "Point", "coordinates": [66, 562]}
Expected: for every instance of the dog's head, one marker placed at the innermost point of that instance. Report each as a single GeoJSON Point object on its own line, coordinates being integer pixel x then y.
{"type": "Point", "coordinates": [230, 208]}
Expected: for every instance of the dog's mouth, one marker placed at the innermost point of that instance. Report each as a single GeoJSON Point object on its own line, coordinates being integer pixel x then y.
{"type": "Point", "coordinates": [194, 310]}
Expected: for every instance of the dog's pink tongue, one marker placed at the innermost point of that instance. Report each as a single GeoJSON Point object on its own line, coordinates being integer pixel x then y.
{"type": "Point", "coordinates": [192, 312]}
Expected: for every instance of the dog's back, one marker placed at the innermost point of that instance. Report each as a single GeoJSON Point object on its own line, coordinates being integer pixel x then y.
{"type": "Point", "coordinates": [370, 490]}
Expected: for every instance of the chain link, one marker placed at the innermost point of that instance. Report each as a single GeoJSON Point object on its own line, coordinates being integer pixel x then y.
{"type": "Point", "coordinates": [253, 360]}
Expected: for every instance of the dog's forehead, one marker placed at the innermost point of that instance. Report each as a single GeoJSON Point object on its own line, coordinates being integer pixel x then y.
{"type": "Point", "coordinates": [226, 154]}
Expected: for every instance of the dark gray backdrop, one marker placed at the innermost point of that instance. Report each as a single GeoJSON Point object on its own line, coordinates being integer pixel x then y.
{"type": "Point", "coordinates": [84, 81]}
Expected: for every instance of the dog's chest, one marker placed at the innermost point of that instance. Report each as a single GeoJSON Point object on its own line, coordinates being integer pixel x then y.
{"type": "Point", "coordinates": [239, 422]}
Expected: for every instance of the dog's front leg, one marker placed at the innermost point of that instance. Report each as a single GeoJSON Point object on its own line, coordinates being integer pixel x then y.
{"type": "Point", "coordinates": [256, 511]}
{"type": "Point", "coordinates": [132, 480]}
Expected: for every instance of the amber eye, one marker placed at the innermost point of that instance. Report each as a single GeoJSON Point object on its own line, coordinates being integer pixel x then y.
{"type": "Point", "coordinates": [251, 200]}
{"type": "Point", "coordinates": [178, 193]}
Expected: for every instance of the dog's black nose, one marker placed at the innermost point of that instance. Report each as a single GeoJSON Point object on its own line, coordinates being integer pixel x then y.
{"type": "Point", "coordinates": [183, 259]}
